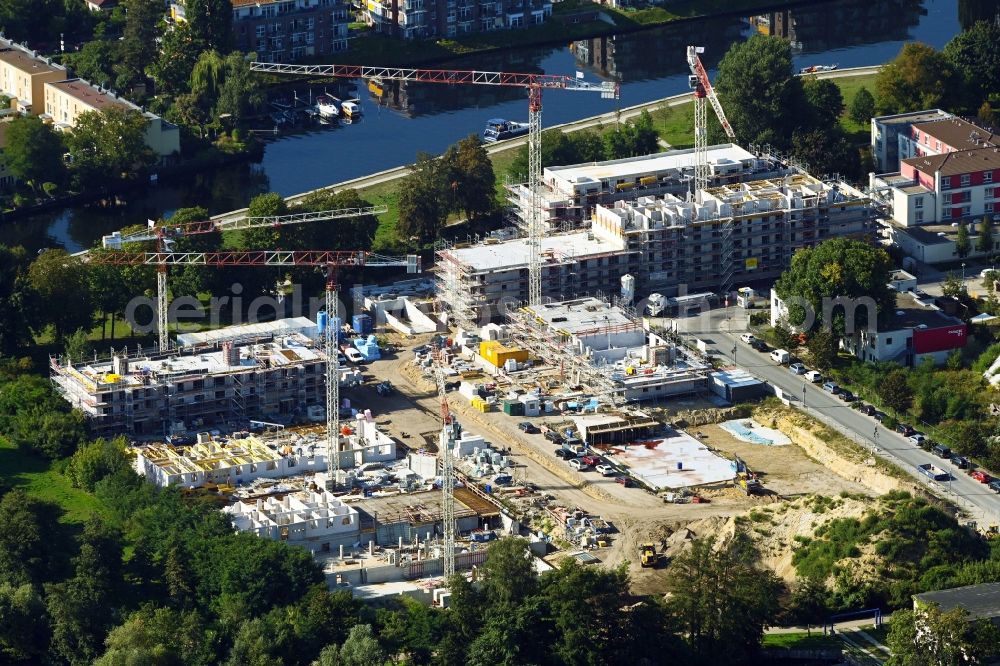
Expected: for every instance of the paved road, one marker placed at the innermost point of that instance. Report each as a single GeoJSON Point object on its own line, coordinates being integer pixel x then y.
{"type": "Point", "coordinates": [982, 504]}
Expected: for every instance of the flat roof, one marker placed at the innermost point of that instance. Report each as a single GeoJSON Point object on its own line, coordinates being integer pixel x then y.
{"type": "Point", "coordinates": [912, 117]}
{"type": "Point", "coordinates": [581, 315]}
{"type": "Point", "coordinates": [88, 94]}
{"type": "Point", "coordinates": [912, 313]}
{"type": "Point", "coordinates": [678, 461]}
{"type": "Point", "coordinates": [673, 159]}
{"type": "Point", "coordinates": [926, 235]}
{"type": "Point", "coordinates": [981, 601]}
{"type": "Point", "coordinates": [735, 377]}
{"type": "Point", "coordinates": [416, 508]}
{"type": "Point", "coordinates": [514, 253]}
{"type": "Point", "coordinates": [263, 329]}
{"type": "Point", "coordinates": [958, 162]}
{"type": "Point", "coordinates": [956, 132]}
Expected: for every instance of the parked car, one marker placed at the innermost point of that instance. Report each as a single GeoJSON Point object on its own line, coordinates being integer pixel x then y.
{"type": "Point", "coordinates": [815, 376]}
{"type": "Point", "coordinates": [553, 437]}
{"type": "Point", "coordinates": [781, 356]}
{"type": "Point", "coordinates": [579, 465]}
{"type": "Point", "coordinates": [846, 395]}
{"type": "Point", "coordinates": [994, 485]}
{"type": "Point", "coordinates": [527, 427]}
{"type": "Point", "coordinates": [981, 476]}
{"type": "Point", "coordinates": [905, 429]}
{"type": "Point", "coordinates": [590, 461]}
{"type": "Point", "coordinates": [960, 462]}
{"type": "Point", "coordinates": [880, 416]}
{"type": "Point", "coordinates": [422, 349]}
{"type": "Point", "coordinates": [605, 470]}
{"type": "Point", "coordinates": [916, 438]}
{"type": "Point", "coordinates": [353, 355]}
{"type": "Point", "coordinates": [624, 480]}
{"type": "Point", "coordinates": [941, 451]}
{"type": "Point", "coordinates": [867, 410]}
{"type": "Point", "coordinates": [747, 338]}
{"type": "Point", "coordinates": [760, 345]}
{"type": "Point", "coordinates": [797, 369]}
{"type": "Point", "coordinates": [565, 454]}
{"type": "Point", "coordinates": [831, 387]}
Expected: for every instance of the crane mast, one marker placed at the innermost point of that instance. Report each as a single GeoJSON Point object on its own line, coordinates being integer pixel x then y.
{"type": "Point", "coordinates": [534, 83]}
{"type": "Point", "coordinates": [703, 94]}
{"type": "Point", "coordinates": [449, 432]}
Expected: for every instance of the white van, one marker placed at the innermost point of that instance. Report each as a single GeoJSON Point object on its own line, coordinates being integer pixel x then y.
{"type": "Point", "coordinates": [780, 356]}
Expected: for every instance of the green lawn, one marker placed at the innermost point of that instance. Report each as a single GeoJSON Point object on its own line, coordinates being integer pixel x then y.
{"type": "Point", "coordinates": [801, 641]}
{"type": "Point", "coordinates": [849, 87]}
{"type": "Point", "coordinates": [36, 477]}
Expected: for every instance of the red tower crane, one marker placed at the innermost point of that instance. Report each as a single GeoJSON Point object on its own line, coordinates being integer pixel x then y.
{"type": "Point", "coordinates": [534, 83]}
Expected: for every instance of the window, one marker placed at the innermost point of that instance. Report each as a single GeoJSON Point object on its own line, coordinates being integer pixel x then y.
{"type": "Point", "coordinates": [918, 217]}
{"type": "Point", "coordinates": [966, 179]}
{"type": "Point", "coordinates": [987, 176]}
{"type": "Point", "coordinates": [888, 341]}
{"type": "Point", "coordinates": [988, 207]}
{"type": "Point", "coordinates": [946, 182]}
{"type": "Point", "coordinates": [918, 202]}
{"type": "Point", "coordinates": [947, 200]}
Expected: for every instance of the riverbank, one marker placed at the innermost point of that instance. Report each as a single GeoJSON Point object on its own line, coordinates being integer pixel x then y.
{"type": "Point", "coordinates": [571, 20]}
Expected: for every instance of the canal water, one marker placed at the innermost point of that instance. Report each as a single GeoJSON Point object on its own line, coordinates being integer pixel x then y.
{"type": "Point", "coordinates": [401, 120]}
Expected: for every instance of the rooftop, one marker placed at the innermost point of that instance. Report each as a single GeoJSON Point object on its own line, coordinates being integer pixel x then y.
{"type": "Point", "coordinates": [912, 117]}
{"type": "Point", "coordinates": [24, 60]}
{"type": "Point", "coordinates": [415, 508]}
{"type": "Point", "coordinates": [302, 325]}
{"type": "Point", "coordinates": [912, 313]}
{"type": "Point", "coordinates": [981, 601]}
{"type": "Point", "coordinates": [207, 456]}
{"type": "Point", "coordinates": [958, 162]}
{"type": "Point", "coordinates": [88, 94]}
{"type": "Point", "coordinates": [513, 254]}
{"type": "Point", "coordinates": [633, 166]}
{"type": "Point", "coordinates": [957, 133]}
{"type": "Point", "coordinates": [582, 316]}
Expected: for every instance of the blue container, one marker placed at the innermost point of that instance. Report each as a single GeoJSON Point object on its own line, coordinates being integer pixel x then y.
{"type": "Point", "coordinates": [362, 324]}
{"type": "Point", "coordinates": [680, 465]}
{"type": "Point", "coordinates": [321, 322]}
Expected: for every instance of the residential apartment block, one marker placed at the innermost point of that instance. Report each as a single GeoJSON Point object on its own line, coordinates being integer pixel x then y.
{"type": "Point", "coordinates": [289, 30]}
{"type": "Point", "coordinates": [40, 87]}
{"type": "Point", "coordinates": [420, 19]}
{"type": "Point", "coordinates": [570, 193]}
{"type": "Point", "coordinates": [311, 519]}
{"type": "Point", "coordinates": [952, 179]}
{"type": "Point", "coordinates": [742, 232]}
{"type": "Point", "coordinates": [250, 375]}
{"type": "Point", "coordinates": [891, 136]}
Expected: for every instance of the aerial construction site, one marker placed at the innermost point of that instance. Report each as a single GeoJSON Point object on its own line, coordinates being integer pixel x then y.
{"type": "Point", "coordinates": [527, 387]}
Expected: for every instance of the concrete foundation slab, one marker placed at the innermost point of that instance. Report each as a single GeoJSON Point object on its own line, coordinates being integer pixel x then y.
{"type": "Point", "coordinates": [678, 461]}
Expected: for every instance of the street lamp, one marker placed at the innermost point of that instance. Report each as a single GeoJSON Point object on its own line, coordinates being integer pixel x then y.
{"type": "Point", "coordinates": [734, 353]}
{"type": "Point", "coordinates": [803, 393]}
{"type": "Point", "coordinates": [963, 274]}
{"type": "Point", "coordinates": [875, 440]}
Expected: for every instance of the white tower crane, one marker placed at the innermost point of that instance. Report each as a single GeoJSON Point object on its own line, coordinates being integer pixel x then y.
{"type": "Point", "coordinates": [702, 87]}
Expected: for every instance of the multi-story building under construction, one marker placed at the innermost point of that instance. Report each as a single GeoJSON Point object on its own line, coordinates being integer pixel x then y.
{"type": "Point", "coordinates": [261, 371]}
{"type": "Point", "coordinates": [743, 232]}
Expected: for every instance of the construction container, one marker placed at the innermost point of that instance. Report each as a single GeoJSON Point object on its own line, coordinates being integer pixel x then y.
{"type": "Point", "coordinates": [497, 354]}
{"type": "Point", "coordinates": [513, 408]}
{"type": "Point", "coordinates": [362, 323]}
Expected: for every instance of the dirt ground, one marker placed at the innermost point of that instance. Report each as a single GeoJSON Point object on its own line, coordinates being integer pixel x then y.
{"type": "Point", "coordinates": [411, 414]}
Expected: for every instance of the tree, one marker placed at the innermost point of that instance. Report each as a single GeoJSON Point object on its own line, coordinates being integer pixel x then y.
{"type": "Point", "coordinates": [422, 201]}
{"type": "Point", "coordinates": [837, 268]}
{"type": "Point", "coordinates": [240, 91]}
{"type": "Point", "coordinates": [23, 624]}
{"type": "Point", "coordinates": [161, 637]}
{"type": "Point", "coordinates": [55, 279]}
{"type": "Point", "coordinates": [949, 638]}
{"type": "Point", "coordinates": [97, 460]}
{"type": "Point", "coordinates": [26, 526]}
{"type": "Point", "coordinates": [29, 20]}
{"type": "Point", "coordinates": [211, 23]}
{"type": "Point", "coordinates": [508, 575]}
{"type": "Point", "coordinates": [973, 53]}
{"type": "Point", "coordinates": [784, 338]}
{"type": "Point", "coordinates": [953, 286]}
{"type": "Point", "coordinates": [895, 391]}
{"type": "Point", "coordinates": [78, 345]}
{"type": "Point", "coordinates": [109, 144]}
{"type": "Point", "coordinates": [808, 603]}
{"type": "Point", "coordinates": [34, 151]}
{"type": "Point", "coordinates": [918, 78]}
{"type": "Point", "coordinates": [826, 100]}
{"type": "Point", "coordinates": [171, 69]}
{"type": "Point", "coordinates": [764, 102]}
{"type": "Point", "coordinates": [14, 300]}
{"type": "Point", "coordinates": [95, 61]}
{"type": "Point", "coordinates": [361, 648]}
{"type": "Point", "coordinates": [112, 287]}
{"type": "Point", "coordinates": [826, 151]}
{"type": "Point", "coordinates": [984, 242]}
{"type": "Point", "coordinates": [862, 106]}
{"type": "Point", "coordinates": [722, 600]}
{"type": "Point", "coordinates": [822, 346]}
{"type": "Point", "coordinates": [988, 115]}
{"type": "Point", "coordinates": [140, 32]}
{"type": "Point", "coordinates": [962, 245]}
{"type": "Point", "coordinates": [477, 182]}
